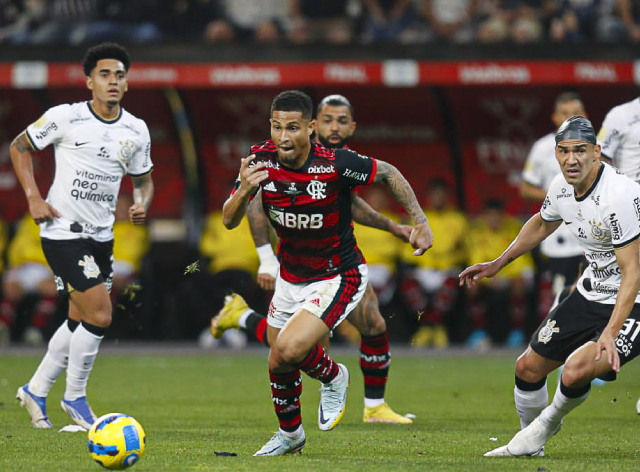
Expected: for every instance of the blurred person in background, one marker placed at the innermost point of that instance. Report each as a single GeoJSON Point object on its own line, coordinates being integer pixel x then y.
{"type": "Point", "coordinates": [430, 284]}
{"type": "Point", "coordinates": [451, 20]}
{"type": "Point", "coordinates": [320, 21]}
{"type": "Point", "coordinates": [18, 19]}
{"type": "Point", "coordinates": [186, 20]}
{"type": "Point", "coordinates": [387, 20]}
{"type": "Point", "coordinates": [335, 125]}
{"type": "Point", "coordinates": [563, 255]}
{"type": "Point", "coordinates": [519, 21]}
{"type": "Point", "coordinates": [574, 21]}
{"type": "Point", "coordinates": [498, 306]}
{"type": "Point", "coordinates": [28, 274]}
{"type": "Point", "coordinates": [248, 20]}
{"type": "Point", "coordinates": [629, 15]}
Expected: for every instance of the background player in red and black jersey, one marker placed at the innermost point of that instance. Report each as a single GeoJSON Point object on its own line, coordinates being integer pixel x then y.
{"type": "Point", "coordinates": [306, 191]}
{"type": "Point", "coordinates": [335, 125]}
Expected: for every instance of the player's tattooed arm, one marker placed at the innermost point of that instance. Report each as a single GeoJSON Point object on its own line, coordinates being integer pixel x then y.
{"type": "Point", "coordinates": [258, 222]}
{"type": "Point", "coordinates": [22, 143]}
{"type": "Point", "coordinates": [142, 195]}
{"type": "Point", "coordinates": [401, 190]}
{"type": "Point", "coordinates": [362, 213]}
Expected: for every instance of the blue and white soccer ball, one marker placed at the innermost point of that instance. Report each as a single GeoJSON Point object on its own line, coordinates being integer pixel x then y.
{"type": "Point", "coordinates": [116, 441]}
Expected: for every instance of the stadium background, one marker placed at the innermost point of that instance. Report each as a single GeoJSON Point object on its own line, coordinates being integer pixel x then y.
{"type": "Point", "coordinates": [466, 113]}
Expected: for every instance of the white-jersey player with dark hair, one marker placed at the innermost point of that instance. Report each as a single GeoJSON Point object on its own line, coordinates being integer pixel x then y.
{"type": "Point", "coordinates": [593, 331]}
{"type": "Point", "coordinates": [96, 144]}
{"type": "Point", "coordinates": [562, 251]}
{"type": "Point", "coordinates": [619, 138]}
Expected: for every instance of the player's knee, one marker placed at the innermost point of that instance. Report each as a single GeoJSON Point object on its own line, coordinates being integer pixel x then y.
{"type": "Point", "coordinates": [528, 370]}
{"type": "Point", "coordinates": [289, 351]}
{"type": "Point", "coordinates": [576, 371]}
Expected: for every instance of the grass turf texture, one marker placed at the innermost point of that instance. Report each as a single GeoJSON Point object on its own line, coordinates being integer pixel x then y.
{"type": "Point", "coordinates": [191, 406]}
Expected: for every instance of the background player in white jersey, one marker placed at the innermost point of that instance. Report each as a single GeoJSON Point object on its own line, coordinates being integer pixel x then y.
{"type": "Point", "coordinates": [594, 331]}
{"type": "Point", "coordinates": [306, 190]}
{"type": "Point", "coordinates": [619, 138]}
{"type": "Point", "coordinates": [564, 254]}
{"type": "Point", "coordinates": [335, 125]}
{"type": "Point", "coordinates": [96, 144]}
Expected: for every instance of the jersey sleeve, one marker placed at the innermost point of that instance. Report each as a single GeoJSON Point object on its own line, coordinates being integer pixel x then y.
{"type": "Point", "coordinates": [611, 134]}
{"type": "Point", "coordinates": [355, 169]}
{"type": "Point", "coordinates": [141, 162]}
{"type": "Point", "coordinates": [622, 216]}
{"type": "Point", "coordinates": [532, 173]}
{"type": "Point", "coordinates": [49, 128]}
{"type": "Point", "coordinates": [549, 210]}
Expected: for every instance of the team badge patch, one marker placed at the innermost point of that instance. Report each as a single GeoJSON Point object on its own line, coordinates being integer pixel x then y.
{"type": "Point", "coordinates": [598, 233]}
{"type": "Point", "coordinates": [91, 269]}
{"type": "Point", "coordinates": [544, 336]}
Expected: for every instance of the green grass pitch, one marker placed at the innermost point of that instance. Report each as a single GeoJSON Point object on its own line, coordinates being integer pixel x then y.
{"type": "Point", "coordinates": [193, 405]}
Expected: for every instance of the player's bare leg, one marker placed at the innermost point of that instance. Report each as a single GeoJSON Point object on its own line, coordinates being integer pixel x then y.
{"type": "Point", "coordinates": [375, 359]}
{"type": "Point", "coordinates": [94, 306]}
{"type": "Point", "coordinates": [294, 348]}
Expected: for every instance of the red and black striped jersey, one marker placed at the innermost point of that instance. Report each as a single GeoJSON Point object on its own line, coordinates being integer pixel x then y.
{"type": "Point", "coordinates": [310, 209]}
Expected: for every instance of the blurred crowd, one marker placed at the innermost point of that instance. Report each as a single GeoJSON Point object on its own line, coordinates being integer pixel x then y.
{"type": "Point", "coordinates": [37, 22]}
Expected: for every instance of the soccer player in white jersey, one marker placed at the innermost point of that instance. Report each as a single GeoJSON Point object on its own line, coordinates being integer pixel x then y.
{"type": "Point", "coordinates": [563, 253]}
{"type": "Point", "coordinates": [593, 332]}
{"type": "Point", "coordinates": [96, 143]}
{"type": "Point", "coordinates": [619, 138]}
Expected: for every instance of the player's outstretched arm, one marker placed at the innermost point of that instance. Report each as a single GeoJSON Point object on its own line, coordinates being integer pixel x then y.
{"type": "Point", "coordinates": [22, 161]}
{"type": "Point", "coordinates": [532, 233]}
{"type": "Point", "coordinates": [236, 205]}
{"type": "Point", "coordinates": [421, 237]}
{"type": "Point", "coordinates": [362, 213]}
{"type": "Point", "coordinates": [627, 258]}
{"type": "Point", "coordinates": [142, 195]}
{"type": "Point", "coordinates": [259, 225]}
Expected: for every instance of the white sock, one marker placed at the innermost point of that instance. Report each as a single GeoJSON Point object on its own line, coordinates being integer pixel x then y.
{"type": "Point", "coordinates": [242, 321]}
{"type": "Point", "coordinates": [292, 434]}
{"type": "Point", "coordinates": [529, 404]}
{"type": "Point", "coordinates": [561, 406]}
{"type": "Point", "coordinates": [83, 350]}
{"type": "Point", "coordinates": [373, 402]}
{"type": "Point", "coordinates": [53, 363]}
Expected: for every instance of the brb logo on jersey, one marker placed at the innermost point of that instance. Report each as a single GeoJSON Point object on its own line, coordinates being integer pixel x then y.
{"type": "Point", "coordinates": [295, 220]}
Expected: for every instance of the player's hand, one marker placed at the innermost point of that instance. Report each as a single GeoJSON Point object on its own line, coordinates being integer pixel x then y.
{"type": "Point", "coordinates": [267, 273]}
{"type": "Point", "coordinates": [137, 214]}
{"type": "Point", "coordinates": [250, 177]}
{"type": "Point", "coordinates": [41, 211]}
{"type": "Point", "coordinates": [479, 271]}
{"type": "Point", "coordinates": [402, 232]}
{"type": "Point", "coordinates": [607, 342]}
{"type": "Point", "coordinates": [421, 238]}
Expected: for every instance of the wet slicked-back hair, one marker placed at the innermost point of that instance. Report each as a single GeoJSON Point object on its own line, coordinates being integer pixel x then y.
{"type": "Point", "coordinates": [335, 101]}
{"type": "Point", "coordinates": [293, 100]}
{"type": "Point", "coordinates": [105, 51]}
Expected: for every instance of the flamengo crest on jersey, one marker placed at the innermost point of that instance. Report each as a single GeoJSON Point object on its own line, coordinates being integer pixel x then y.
{"type": "Point", "coordinates": [619, 138]}
{"type": "Point", "coordinates": [310, 209]}
{"type": "Point", "coordinates": [92, 156]}
{"type": "Point", "coordinates": [605, 218]}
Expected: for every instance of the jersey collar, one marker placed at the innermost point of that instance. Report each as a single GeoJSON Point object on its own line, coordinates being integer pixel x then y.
{"type": "Point", "coordinates": [99, 118]}
{"type": "Point", "coordinates": [593, 186]}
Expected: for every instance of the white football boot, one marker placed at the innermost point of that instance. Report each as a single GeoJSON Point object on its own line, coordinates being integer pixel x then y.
{"type": "Point", "coordinates": [333, 400]}
{"type": "Point", "coordinates": [281, 444]}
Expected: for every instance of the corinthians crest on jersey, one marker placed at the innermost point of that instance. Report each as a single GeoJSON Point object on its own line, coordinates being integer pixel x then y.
{"type": "Point", "coordinates": [606, 217]}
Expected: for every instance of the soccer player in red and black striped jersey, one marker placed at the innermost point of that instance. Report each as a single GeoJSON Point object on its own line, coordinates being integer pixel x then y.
{"type": "Point", "coordinates": [334, 127]}
{"type": "Point", "coordinates": [305, 189]}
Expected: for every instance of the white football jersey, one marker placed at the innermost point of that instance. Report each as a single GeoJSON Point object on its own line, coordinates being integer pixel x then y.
{"type": "Point", "coordinates": [620, 138]}
{"type": "Point", "coordinates": [92, 157]}
{"type": "Point", "coordinates": [605, 218]}
{"type": "Point", "coordinates": [540, 170]}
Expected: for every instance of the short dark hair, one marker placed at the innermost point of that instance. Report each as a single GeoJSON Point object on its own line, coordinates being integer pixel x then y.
{"type": "Point", "coordinates": [293, 100]}
{"type": "Point", "coordinates": [105, 51]}
{"type": "Point", "coordinates": [438, 184]}
{"type": "Point", "coordinates": [335, 101]}
{"type": "Point", "coordinates": [568, 96]}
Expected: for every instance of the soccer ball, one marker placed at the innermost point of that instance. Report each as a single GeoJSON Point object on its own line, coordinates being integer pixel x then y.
{"type": "Point", "coordinates": [116, 441]}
